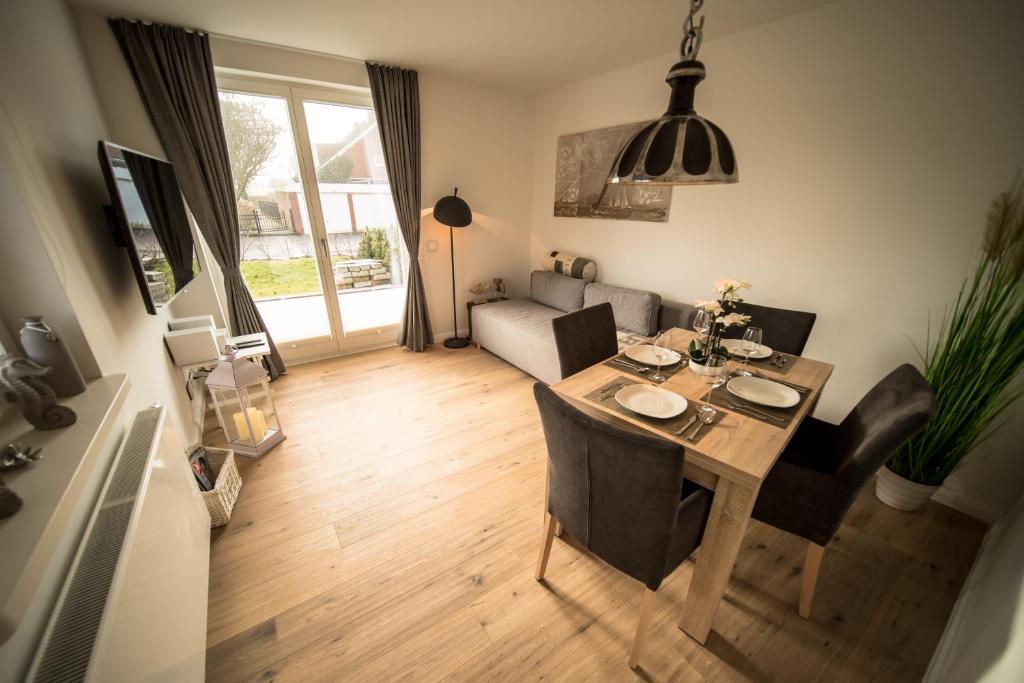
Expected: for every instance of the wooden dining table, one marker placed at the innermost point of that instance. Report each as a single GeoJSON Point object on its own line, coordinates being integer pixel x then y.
{"type": "Point", "coordinates": [732, 459]}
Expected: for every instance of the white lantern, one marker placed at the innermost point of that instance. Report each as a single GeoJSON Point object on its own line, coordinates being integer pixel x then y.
{"type": "Point", "coordinates": [245, 408]}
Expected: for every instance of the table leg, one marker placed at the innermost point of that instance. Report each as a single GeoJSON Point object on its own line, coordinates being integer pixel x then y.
{"type": "Point", "coordinates": [730, 513]}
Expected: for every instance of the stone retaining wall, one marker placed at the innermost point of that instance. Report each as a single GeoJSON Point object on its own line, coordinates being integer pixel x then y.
{"type": "Point", "coordinates": [361, 273]}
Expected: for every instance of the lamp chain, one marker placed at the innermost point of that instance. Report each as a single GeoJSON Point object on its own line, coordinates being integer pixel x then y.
{"type": "Point", "coordinates": [693, 33]}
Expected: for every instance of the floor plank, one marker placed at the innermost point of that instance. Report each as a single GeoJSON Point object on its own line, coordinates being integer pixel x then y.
{"type": "Point", "coordinates": [393, 535]}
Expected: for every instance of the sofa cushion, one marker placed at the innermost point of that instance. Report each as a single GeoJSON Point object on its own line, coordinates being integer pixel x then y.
{"type": "Point", "coordinates": [635, 310]}
{"type": "Point", "coordinates": [519, 330]}
{"type": "Point", "coordinates": [557, 291]}
{"type": "Point", "coordinates": [573, 266]}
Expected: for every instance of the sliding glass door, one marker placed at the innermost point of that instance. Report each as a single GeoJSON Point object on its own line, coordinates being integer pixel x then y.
{"type": "Point", "coordinates": [321, 250]}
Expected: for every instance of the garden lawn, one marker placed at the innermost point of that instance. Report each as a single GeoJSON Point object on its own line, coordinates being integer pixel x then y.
{"type": "Point", "coordinates": [273, 278]}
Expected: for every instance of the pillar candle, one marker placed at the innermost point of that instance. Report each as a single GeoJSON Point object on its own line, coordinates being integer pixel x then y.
{"type": "Point", "coordinates": [258, 422]}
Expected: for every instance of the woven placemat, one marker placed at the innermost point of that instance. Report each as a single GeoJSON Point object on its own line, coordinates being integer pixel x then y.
{"type": "Point", "coordinates": [784, 416]}
{"type": "Point", "coordinates": [666, 370]}
{"type": "Point", "coordinates": [779, 363]}
{"type": "Point", "coordinates": [605, 396]}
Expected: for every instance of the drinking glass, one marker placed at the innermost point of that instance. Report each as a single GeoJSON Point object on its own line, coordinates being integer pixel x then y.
{"type": "Point", "coordinates": [714, 376]}
{"type": "Point", "coordinates": [751, 344]}
{"type": "Point", "coordinates": [662, 354]}
{"type": "Point", "coordinates": [702, 321]}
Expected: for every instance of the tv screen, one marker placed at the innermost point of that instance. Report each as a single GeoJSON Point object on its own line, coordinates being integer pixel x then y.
{"type": "Point", "coordinates": [148, 217]}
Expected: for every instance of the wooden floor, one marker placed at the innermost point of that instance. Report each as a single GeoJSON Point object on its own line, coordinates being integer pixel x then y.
{"type": "Point", "coordinates": [393, 537]}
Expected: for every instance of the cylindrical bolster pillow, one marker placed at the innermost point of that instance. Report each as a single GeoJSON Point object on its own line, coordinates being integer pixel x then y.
{"type": "Point", "coordinates": [573, 266]}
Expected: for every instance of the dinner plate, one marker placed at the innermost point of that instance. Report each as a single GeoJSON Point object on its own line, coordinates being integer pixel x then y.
{"type": "Point", "coordinates": [763, 391]}
{"type": "Point", "coordinates": [644, 353]}
{"type": "Point", "coordinates": [650, 401]}
{"type": "Point", "coordinates": [735, 347]}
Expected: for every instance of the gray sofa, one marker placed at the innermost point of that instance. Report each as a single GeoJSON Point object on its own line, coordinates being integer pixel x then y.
{"type": "Point", "coordinates": [519, 330]}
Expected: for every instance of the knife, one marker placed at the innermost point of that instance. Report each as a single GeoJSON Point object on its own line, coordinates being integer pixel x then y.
{"type": "Point", "coordinates": [755, 412]}
{"type": "Point", "coordinates": [687, 425]}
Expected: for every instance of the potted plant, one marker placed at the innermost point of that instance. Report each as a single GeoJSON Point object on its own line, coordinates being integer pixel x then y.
{"type": "Point", "coordinates": [713, 317]}
{"type": "Point", "coordinates": [976, 356]}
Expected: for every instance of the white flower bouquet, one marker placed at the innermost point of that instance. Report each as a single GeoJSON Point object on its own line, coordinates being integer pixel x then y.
{"type": "Point", "coordinates": [714, 316]}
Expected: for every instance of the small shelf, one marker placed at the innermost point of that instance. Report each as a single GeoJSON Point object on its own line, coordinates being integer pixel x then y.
{"type": "Point", "coordinates": [51, 489]}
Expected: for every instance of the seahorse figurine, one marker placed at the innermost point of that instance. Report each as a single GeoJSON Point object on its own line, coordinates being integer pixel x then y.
{"type": "Point", "coordinates": [21, 383]}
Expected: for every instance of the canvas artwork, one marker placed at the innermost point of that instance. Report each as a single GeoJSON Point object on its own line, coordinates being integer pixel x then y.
{"type": "Point", "coordinates": [582, 164]}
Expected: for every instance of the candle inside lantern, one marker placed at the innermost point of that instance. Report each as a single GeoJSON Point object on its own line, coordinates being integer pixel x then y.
{"type": "Point", "coordinates": [258, 422]}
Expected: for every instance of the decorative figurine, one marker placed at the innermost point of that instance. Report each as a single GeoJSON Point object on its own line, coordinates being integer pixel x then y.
{"type": "Point", "coordinates": [480, 289]}
{"type": "Point", "coordinates": [15, 455]}
{"type": "Point", "coordinates": [9, 501]}
{"type": "Point", "coordinates": [21, 382]}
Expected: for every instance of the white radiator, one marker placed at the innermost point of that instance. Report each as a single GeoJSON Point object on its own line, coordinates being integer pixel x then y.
{"type": "Point", "coordinates": [133, 606]}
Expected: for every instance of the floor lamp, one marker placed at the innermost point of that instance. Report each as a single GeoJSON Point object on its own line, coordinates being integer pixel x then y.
{"type": "Point", "coordinates": [453, 212]}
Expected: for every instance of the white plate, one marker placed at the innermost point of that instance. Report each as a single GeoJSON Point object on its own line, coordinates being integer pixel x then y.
{"type": "Point", "coordinates": [644, 353]}
{"type": "Point", "coordinates": [763, 391]}
{"type": "Point", "coordinates": [735, 347]}
{"type": "Point", "coordinates": [650, 401]}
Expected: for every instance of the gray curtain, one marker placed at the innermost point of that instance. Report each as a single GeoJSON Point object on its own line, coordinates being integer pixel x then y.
{"type": "Point", "coordinates": [173, 71]}
{"type": "Point", "coordinates": [396, 101]}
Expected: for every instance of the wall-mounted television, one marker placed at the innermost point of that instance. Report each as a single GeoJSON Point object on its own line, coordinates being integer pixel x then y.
{"type": "Point", "coordinates": [147, 217]}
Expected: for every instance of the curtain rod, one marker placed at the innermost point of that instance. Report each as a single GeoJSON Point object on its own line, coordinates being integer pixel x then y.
{"type": "Point", "coordinates": [278, 46]}
{"type": "Point", "coordinates": [249, 41]}
{"type": "Point", "coordinates": [263, 43]}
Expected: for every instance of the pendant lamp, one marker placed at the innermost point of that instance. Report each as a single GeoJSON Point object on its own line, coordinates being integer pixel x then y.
{"type": "Point", "coordinates": [681, 147]}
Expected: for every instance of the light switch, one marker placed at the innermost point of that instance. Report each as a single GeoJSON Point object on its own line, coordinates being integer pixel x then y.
{"type": "Point", "coordinates": [431, 245]}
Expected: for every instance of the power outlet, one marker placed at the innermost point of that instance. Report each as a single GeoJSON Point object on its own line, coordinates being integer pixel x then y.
{"type": "Point", "coordinates": [431, 245]}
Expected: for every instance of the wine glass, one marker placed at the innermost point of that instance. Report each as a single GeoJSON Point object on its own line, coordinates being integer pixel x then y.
{"type": "Point", "coordinates": [751, 344]}
{"type": "Point", "coordinates": [702, 321]}
{"type": "Point", "coordinates": [661, 354]}
{"type": "Point", "coordinates": [713, 376]}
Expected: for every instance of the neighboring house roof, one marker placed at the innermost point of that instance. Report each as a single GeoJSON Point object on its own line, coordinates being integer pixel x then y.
{"type": "Point", "coordinates": [350, 143]}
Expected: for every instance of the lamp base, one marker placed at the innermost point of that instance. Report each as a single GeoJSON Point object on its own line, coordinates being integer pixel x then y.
{"type": "Point", "coordinates": [456, 342]}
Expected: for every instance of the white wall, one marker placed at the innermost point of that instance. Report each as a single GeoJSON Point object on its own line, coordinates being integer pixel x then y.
{"type": "Point", "coordinates": [870, 137]}
{"type": "Point", "coordinates": [51, 125]}
{"type": "Point", "coordinates": [983, 641]}
{"type": "Point", "coordinates": [477, 139]}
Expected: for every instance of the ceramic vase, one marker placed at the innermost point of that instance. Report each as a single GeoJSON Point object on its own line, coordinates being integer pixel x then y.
{"type": "Point", "coordinates": [44, 344]}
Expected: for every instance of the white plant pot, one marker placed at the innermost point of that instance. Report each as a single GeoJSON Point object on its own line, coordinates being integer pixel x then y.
{"type": "Point", "coordinates": [900, 493]}
{"type": "Point", "coordinates": [699, 369]}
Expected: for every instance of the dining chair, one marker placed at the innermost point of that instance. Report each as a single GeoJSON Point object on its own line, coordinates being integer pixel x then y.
{"type": "Point", "coordinates": [783, 330]}
{"type": "Point", "coordinates": [675, 314]}
{"type": "Point", "coordinates": [584, 338]}
{"type": "Point", "coordinates": [622, 495]}
{"type": "Point", "coordinates": [821, 471]}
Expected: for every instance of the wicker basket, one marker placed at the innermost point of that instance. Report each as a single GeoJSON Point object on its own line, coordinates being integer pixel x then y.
{"type": "Point", "coordinates": [221, 500]}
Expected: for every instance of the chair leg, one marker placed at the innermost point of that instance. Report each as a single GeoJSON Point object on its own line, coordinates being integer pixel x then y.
{"type": "Point", "coordinates": [646, 607]}
{"type": "Point", "coordinates": [545, 547]}
{"type": "Point", "coordinates": [812, 564]}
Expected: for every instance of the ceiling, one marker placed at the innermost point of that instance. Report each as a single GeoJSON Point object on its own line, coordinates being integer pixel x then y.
{"type": "Point", "coordinates": [525, 45]}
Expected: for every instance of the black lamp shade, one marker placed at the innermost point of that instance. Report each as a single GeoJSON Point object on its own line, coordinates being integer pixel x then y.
{"type": "Point", "coordinates": [680, 148]}
{"type": "Point", "coordinates": [453, 211]}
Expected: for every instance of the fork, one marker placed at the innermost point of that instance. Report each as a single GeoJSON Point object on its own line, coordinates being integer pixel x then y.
{"type": "Point", "coordinates": [795, 387]}
{"type": "Point", "coordinates": [630, 365]}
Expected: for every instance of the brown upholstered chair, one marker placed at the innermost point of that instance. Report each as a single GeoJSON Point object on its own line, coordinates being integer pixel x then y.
{"type": "Point", "coordinates": [784, 330]}
{"type": "Point", "coordinates": [818, 476]}
{"type": "Point", "coordinates": [622, 495]}
{"type": "Point", "coordinates": [584, 338]}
